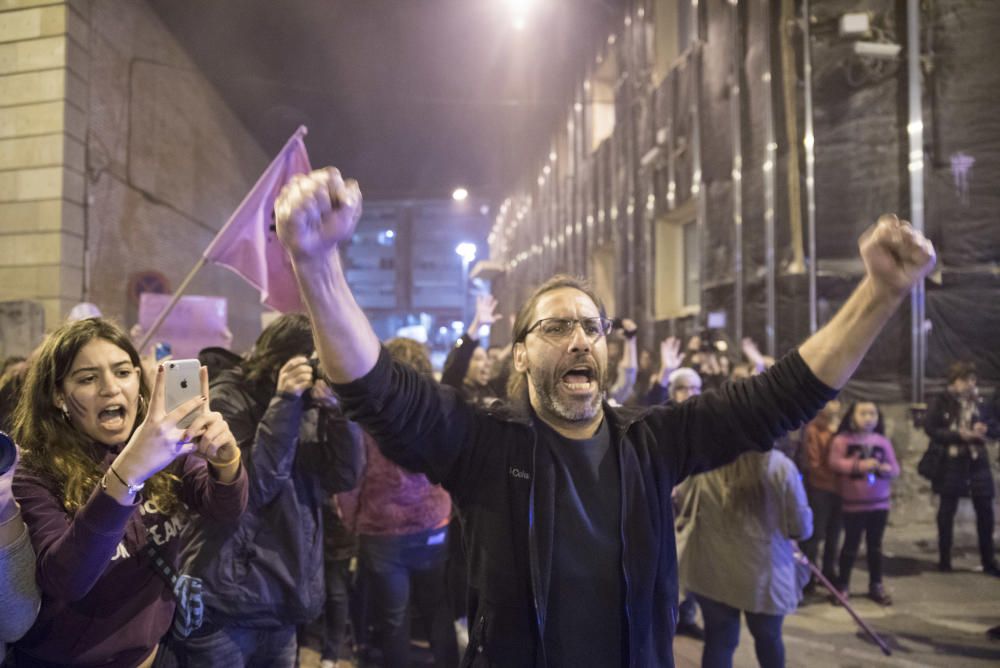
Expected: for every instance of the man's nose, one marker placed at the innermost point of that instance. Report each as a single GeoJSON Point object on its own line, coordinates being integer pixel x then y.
{"type": "Point", "coordinates": [578, 339]}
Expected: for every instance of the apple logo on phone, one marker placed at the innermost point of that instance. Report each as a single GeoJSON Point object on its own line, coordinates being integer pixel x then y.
{"type": "Point", "coordinates": [184, 383]}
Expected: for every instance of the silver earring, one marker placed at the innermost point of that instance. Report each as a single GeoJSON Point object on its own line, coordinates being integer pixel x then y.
{"type": "Point", "coordinates": [65, 411]}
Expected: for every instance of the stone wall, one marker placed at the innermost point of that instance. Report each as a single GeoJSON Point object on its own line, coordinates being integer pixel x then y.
{"type": "Point", "coordinates": [119, 159]}
{"type": "Point", "coordinates": [43, 101]}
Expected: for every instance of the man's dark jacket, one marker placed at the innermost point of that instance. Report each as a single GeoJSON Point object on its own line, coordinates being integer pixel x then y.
{"type": "Point", "coordinates": [267, 570]}
{"type": "Point", "coordinates": [488, 460]}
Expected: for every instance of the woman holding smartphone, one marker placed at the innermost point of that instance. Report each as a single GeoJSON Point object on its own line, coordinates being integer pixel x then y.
{"type": "Point", "coordinates": [105, 472]}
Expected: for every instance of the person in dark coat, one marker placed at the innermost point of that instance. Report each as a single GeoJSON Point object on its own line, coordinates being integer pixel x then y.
{"type": "Point", "coordinates": [263, 577]}
{"type": "Point", "coordinates": [564, 493]}
{"type": "Point", "coordinates": [957, 424]}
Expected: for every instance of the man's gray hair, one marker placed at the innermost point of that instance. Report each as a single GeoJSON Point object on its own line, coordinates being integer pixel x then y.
{"type": "Point", "coordinates": [683, 373]}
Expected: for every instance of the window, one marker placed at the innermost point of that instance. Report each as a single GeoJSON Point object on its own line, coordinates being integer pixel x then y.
{"type": "Point", "coordinates": [677, 291]}
{"type": "Point", "coordinates": [665, 37]}
{"type": "Point", "coordinates": [692, 264]}
{"type": "Point", "coordinates": [599, 92]}
{"type": "Point", "coordinates": [602, 269]}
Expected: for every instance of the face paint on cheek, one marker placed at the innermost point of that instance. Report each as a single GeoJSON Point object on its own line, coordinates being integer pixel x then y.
{"type": "Point", "coordinates": [75, 407]}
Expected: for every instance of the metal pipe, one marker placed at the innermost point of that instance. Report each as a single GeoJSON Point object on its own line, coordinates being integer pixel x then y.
{"type": "Point", "coordinates": [770, 158]}
{"type": "Point", "coordinates": [697, 187]}
{"type": "Point", "coordinates": [698, 191]}
{"type": "Point", "coordinates": [736, 127]}
{"type": "Point", "coordinates": [915, 130]}
{"type": "Point", "coordinates": [808, 143]}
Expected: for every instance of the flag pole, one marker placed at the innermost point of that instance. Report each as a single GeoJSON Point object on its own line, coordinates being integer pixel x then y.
{"type": "Point", "coordinates": [173, 302]}
{"type": "Point", "coordinates": [818, 574]}
{"type": "Point", "coordinates": [300, 132]}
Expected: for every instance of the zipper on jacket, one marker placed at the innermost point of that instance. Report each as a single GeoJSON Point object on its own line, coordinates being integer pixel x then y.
{"type": "Point", "coordinates": [621, 533]}
{"type": "Point", "coordinates": [533, 565]}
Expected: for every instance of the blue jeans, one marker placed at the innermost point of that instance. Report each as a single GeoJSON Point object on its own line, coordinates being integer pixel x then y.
{"type": "Point", "coordinates": [722, 635]}
{"type": "Point", "coordinates": [336, 613]}
{"type": "Point", "coordinates": [405, 569]}
{"type": "Point", "coordinates": [238, 647]}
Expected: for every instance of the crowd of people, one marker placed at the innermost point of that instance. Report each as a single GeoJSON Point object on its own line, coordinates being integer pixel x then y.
{"type": "Point", "coordinates": [328, 484]}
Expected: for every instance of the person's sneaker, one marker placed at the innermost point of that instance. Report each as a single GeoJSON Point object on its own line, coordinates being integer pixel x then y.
{"type": "Point", "coordinates": [327, 663]}
{"type": "Point", "coordinates": [992, 569]}
{"type": "Point", "coordinates": [691, 630]}
{"type": "Point", "coordinates": [878, 594]}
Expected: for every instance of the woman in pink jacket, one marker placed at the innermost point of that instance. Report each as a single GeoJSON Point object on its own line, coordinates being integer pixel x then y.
{"type": "Point", "coordinates": [865, 462]}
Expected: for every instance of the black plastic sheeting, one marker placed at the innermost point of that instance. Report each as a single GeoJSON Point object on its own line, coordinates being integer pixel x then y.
{"type": "Point", "coordinates": [963, 213]}
{"type": "Point", "coordinates": [860, 118]}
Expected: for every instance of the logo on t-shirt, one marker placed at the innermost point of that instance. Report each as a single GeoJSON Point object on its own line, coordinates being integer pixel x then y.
{"type": "Point", "coordinates": [519, 473]}
{"type": "Point", "coordinates": [160, 530]}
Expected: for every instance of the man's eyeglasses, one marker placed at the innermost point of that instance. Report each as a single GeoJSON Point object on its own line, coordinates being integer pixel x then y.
{"type": "Point", "coordinates": [560, 328]}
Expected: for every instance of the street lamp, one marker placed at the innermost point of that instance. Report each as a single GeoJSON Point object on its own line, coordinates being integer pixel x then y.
{"type": "Point", "coordinates": [467, 251]}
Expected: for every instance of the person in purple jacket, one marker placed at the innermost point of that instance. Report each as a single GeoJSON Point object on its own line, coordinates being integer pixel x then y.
{"type": "Point", "coordinates": [106, 473]}
{"type": "Point", "coordinates": [865, 462]}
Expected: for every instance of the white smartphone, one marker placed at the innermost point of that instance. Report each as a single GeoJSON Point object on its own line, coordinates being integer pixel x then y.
{"type": "Point", "coordinates": [182, 382]}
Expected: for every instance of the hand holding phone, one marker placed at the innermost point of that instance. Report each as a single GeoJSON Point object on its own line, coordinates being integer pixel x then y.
{"type": "Point", "coordinates": [160, 439]}
{"type": "Point", "coordinates": [182, 382]}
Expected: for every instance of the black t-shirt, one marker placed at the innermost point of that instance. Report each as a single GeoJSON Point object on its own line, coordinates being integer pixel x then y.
{"type": "Point", "coordinates": [585, 625]}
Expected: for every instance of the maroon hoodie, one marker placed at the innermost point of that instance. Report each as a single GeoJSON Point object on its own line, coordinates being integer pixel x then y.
{"type": "Point", "coordinates": [391, 501]}
{"type": "Point", "coordinates": [103, 604]}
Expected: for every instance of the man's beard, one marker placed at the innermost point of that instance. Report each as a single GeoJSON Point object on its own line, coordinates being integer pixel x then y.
{"type": "Point", "coordinates": [572, 411]}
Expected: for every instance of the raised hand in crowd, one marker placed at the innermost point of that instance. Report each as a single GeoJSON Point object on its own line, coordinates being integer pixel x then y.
{"type": "Point", "coordinates": [295, 376]}
{"type": "Point", "coordinates": [313, 214]}
{"type": "Point", "coordinates": [671, 359]}
{"type": "Point", "coordinates": [486, 314]}
{"type": "Point", "coordinates": [896, 257]}
{"type": "Point", "coordinates": [753, 354]}
{"type": "Point", "coordinates": [316, 212]}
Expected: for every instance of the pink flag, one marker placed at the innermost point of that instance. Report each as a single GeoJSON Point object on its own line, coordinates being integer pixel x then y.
{"type": "Point", "coordinates": [248, 243]}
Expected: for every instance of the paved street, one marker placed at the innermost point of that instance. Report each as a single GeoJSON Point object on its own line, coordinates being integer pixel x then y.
{"type": "Point", "coordinates": [937, 619]}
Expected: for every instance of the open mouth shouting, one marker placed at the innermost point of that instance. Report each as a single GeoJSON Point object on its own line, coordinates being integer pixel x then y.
{"type": "Point", "coordinates": [581, 379]}
{"type": "Point", "coordinates": [112, 417]}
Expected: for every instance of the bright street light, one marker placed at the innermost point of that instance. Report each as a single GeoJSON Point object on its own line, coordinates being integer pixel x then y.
{"type": "Point", "coordinates": [466, 250]}
{"type": "Point", "coordinates": [459, 194]}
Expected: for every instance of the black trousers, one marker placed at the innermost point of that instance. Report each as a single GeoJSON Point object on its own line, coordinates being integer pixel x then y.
{"type": "Point", "coordinates": [827, 525]}
{"type": "Point", "coordinates": [871, 523]}
{"type": "Point", "coordinates": [983, 505]}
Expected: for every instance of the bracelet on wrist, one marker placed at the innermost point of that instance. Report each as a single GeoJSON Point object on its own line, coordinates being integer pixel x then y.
{"type": "Point", "coordinates": [229, 462]}
{"type": "Point", "coordinates": [132, 489]}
